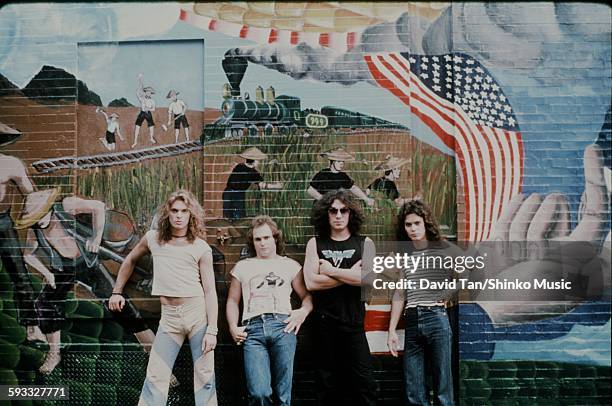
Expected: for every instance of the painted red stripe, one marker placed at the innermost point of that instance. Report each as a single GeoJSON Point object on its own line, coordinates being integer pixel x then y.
{"type": "Point", "coordinates": [244, 31]}
{"type": "Point", "coordinates": [503, 164]}
{"type": "Point", "coordinates": [212, 25]}
{"type": "Point", "coordinates": [273, 37]}
{"type": "Point", "coordinates": [377, 320]}
{"type": "Point", "coordinates": [384, 82]}
{"type": "Point", "coordinates": [350, 40]}
{"type": "Point", "coordinates": [295, 37]}
{"type": "Point", "coordinates": [507, 163]}
{"type": "Point", "coordinates": [324, 39]}
{"type": "Point", "coordinates": [513, 160]}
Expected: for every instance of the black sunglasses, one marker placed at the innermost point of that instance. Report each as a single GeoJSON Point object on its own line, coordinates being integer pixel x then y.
{"type": "Point", "coordinates": [334, 211]}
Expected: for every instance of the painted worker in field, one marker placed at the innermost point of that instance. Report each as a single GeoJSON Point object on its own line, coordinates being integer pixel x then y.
{"type": "Point", "coordinates": [112, 129]}
{"type": "Point", "coordinates": [333, 273]}
{"type": "Point", "coordinates": [177, 111]}
{"type": "Point", "coordinates": [334, 178]}
{"type": "Point", "coordinates": [147, 107]}
{"type": "Point", "coordinates": [270, 326]}
{"type": "Point", "coordinates": [242, 177]}
{"type": "Point", "coordinates": [184, 279]}
{"type": "Point", "coordinates": [14, 178]}
{"type": "Point", "coordinates": [65, 257]}
{"type": "Point", "coordinates": [386, 184]}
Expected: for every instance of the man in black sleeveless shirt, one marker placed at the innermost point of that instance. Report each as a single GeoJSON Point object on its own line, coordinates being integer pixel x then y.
{"type": "Point", "coordinates": [332, 271]}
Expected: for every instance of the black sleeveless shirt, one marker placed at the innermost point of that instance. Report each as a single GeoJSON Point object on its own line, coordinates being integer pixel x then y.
{"type": "Point", "coordinates": [343, 303]}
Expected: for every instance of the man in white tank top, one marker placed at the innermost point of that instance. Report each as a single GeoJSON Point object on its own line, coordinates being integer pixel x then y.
{"type": "Point", "coordinates": [183, 278]}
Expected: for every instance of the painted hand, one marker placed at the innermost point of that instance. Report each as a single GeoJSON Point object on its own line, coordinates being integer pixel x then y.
{"type": "Point", "coordinates": [523, 237]}
{"type": "Point", "coordinates": [92, 246]}
{"type": "Point", "coordinates": [116, 303]}
{"type": "Point", "coordinates": [50, 279]}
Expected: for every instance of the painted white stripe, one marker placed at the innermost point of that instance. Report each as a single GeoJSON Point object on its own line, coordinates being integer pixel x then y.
{"type": "Point", "coordinates": [378, 340]}
{"type": "Point", "coordinates": [499, 180]}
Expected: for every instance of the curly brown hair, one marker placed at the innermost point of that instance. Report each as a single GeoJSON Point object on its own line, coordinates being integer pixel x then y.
{"type": "Point", "coordinates": [432, 230]}
{"type": "Point", "coordinates": [195, 228]}
{"type": "Point", "coordinates": [320, 216]}
{"type": "Point", "coordinates": [276, 233]}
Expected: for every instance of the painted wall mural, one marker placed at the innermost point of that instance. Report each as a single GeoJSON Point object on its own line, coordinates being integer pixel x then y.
{"type": "Point", "coordinates": [497, 115]}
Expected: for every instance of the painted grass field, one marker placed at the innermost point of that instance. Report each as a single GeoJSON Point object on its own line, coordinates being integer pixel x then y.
{"type": "Point", "coordinates": [293, 160]}
{"type": "Point", "coordinates": [140, 188]}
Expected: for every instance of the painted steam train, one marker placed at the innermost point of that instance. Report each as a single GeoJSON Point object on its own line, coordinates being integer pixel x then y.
{"type": "Point", "coordinates": [275, 114]}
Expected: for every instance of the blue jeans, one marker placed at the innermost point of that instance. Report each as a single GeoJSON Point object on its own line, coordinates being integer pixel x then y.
{"type": "Point", "coordinates": [428, 340]}
{"type": "Point", "coordinates": [268, 360]}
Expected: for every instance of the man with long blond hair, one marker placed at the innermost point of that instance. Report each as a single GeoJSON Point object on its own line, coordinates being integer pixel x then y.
{"type": "Point", "coordinates": [184, 280]}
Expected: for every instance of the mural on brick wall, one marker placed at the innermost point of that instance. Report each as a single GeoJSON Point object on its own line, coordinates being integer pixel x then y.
{"type": "Point", "coordinates": [496, 115]}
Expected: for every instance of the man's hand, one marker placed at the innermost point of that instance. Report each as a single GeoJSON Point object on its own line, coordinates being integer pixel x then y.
{"type": "Point", "coordinates": [92, 246]}
{"type": "Point", "coordinates": [393, 342]}
{"type": "Point", "coordinates": [356, 267]}
{"type": "Point", "coordinates": [295, 320]}
{"type": "Point", "coordinates": [209, 343]}
{"type": "Point", "coordinates": [116, 303]}
{"type": "Point", "coordinates": [239, 334]}
{"type": "Point", "coordinates": [325, 267]}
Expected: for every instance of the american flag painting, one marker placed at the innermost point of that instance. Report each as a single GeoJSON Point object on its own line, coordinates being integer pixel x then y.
{"type": "Point", "coordinates": [461, 103]}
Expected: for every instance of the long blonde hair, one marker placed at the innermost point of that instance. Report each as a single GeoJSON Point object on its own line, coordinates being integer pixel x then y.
{"type": "Point", "coordinates": [196, 219]}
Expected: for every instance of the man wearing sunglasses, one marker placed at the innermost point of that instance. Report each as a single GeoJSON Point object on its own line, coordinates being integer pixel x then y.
{"type": "Point", "coordinates": [333, 272]}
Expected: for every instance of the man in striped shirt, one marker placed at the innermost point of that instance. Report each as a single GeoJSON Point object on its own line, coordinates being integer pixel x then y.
{"type": "Point", "coordinates": [428, 333]}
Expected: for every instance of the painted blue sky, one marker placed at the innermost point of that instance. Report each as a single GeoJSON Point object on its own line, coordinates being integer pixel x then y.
{"type": "Point", "coordinates": [161, 62]}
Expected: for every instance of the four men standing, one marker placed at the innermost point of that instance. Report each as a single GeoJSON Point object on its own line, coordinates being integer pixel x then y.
{"type": "Point", "coordinates": [184, 280]}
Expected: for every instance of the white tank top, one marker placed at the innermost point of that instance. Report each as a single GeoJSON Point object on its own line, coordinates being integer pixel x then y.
{"type": "Point", "coordinates": [176, 272]}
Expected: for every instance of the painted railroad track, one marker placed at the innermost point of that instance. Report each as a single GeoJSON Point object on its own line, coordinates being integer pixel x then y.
{"type": "Point", "coordinates": [115, 158]}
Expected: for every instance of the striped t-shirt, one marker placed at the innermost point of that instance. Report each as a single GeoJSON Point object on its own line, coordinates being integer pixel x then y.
{"type": "Point", "coordinates": [432, 268]}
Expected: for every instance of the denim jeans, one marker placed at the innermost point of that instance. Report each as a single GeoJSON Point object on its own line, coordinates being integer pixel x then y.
{"type": "Point", "coordinates": [428, 339]}
{"type": "Point", "coordinates": [268, 360]}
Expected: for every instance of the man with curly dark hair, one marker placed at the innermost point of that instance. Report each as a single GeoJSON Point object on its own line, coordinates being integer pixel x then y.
{"type": "Point", "coordinates": [333, 272]}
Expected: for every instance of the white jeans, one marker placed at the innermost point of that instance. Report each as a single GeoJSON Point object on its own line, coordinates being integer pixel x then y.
{"type": "Point", "coordinates": [177, 323]}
